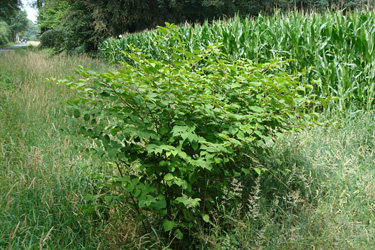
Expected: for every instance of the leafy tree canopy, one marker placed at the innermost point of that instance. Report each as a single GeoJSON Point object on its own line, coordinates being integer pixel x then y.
{"type": "Point", "coordinates": [8, 8]}
{"type": "Point", "coordinates": [19, 22]}
{"type": "Point", "coordinates": [32, 32]}
{"type": "Point", "coordinates": [51, 13]}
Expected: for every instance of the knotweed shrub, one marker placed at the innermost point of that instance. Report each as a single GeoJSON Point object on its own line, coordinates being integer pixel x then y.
{"type": "Point", "coordinates": [182, 128]}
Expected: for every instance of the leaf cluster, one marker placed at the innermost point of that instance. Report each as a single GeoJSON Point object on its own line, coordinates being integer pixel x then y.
{"type": "Point", "coordinates": [4, 33]}
{"type": "Point", "coordinates": [8, 8]}
{"type": "Point", "coordinates": [181, 128]}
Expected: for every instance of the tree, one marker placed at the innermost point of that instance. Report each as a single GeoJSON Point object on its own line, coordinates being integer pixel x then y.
{"type": "Point", "coordinates": [67, 25]}
{"type": "Point", "coordinates": [32, 32]}
{"type": "Point", "coordinates": [8, 8]}
{"type": "Point", "coordinates": [116, 17]}
{"type": "Point", "coordinates": [18, 23]}
{"type": "Point", "coordinates": [51, 13]}
{"type": "Point", "coordinates": [81, 25]}
{"type": "Point", "coordinates": [12, 20]}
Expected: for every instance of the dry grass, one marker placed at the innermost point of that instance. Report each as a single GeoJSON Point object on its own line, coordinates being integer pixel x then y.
{"type": "Point", "coordinates": [34, 43]}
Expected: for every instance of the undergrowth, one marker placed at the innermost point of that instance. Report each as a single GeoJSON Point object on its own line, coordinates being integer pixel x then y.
{"type": "Point", "coordinates": [324, 200]}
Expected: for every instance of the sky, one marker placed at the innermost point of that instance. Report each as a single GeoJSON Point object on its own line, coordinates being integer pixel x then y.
{"type": "Point", "coordinates": [31, 12]}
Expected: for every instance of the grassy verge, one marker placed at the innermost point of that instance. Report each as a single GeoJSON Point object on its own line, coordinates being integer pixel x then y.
{"type": "Point", "coordinates": [7, 45]}
{"type": "Point", "coordinates": [325, 201]}
{"type": "Point", "coordinates": [42, 185]}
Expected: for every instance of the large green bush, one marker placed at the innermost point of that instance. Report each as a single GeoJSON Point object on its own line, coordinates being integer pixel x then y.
{"type": "Point", "coordinates": [52, 39]}
{"type": "Point", "coordinates": [180, 129]}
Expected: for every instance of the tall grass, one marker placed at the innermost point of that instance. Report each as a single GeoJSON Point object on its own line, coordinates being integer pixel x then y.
{"type": "Point", "coordinates": [337, 49]}
{"type": "Point", "coordinates": [43, 182]}
{"type": "Point", "coordinates": [325, 201]}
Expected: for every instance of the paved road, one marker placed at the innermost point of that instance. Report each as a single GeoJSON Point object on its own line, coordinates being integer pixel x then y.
{"type": "Point", "coordinates": [13, 47]}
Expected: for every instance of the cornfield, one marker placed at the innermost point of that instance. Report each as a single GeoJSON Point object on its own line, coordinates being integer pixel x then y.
{"type": "Point", "coordinates": [335, 48]}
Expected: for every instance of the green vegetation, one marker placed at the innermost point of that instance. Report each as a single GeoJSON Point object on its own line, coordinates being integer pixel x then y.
{"type": "Point", "coordinates": [182, 128]}
{"type": "Point", "coordinates": [81, 25]}
{"type": "Point", "coordinates": [327, 201]}
{"type": "Point", "coordinates": [32, 32]}
{"type": "Point", "coordinates": [12, 21]}
{"type": "Point", "coordinates": [7, 45]}
{"type": "Point", "coordinates": [8, 9]}
{"type": "Point", "coordinates": [18, 24]}
{"type": "Point", "coordinates": [4, 33]}
{"type": "Point", "coordinates": [336, 49]}
{"type": "Point", "coordinates": [192, 144]}
{"type": "Point", "coordinates": [43, 181]}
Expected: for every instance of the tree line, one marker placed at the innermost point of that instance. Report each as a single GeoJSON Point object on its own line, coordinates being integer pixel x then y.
{"type": "Point", "coordinates": [13, 20]}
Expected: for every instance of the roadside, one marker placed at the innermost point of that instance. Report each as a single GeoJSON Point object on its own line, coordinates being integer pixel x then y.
{"type": "Point", "coordinates": [38, 160]}
{"type": "Point", "coordinates": [19, 46]}
{"type": "Point", "coordinates": [7, 45]}
{"type": "Point", "coordinates": [13, 47]}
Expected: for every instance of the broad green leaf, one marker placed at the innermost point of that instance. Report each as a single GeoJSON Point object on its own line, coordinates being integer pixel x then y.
{"type": "Point", "coordinates": [256, 109]}
{"type": "Point", "coordinates": [158, 205]}
{"type": "Point", "coordinates": [178, 234]}
{"type": "Point", "coordinates": [168, 177]}
{"type": "Point", "coordinates": [168, 225]}
{"type": "Point", "coordinates": [130, 187]}
{"type": "Point", "coordinates": [206, 217]}
{"type": "Point", "coordinates": [245, 171]}
{"type": "Point", "coordinates": [194, 145]}
{"type": "Point", "coordinates": [257, 170]}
